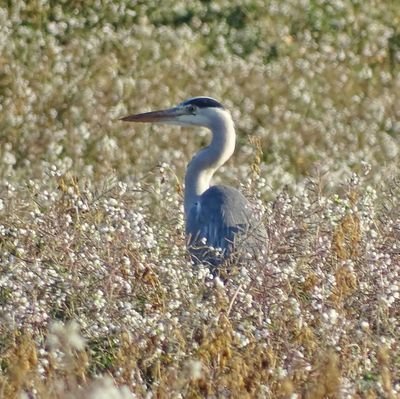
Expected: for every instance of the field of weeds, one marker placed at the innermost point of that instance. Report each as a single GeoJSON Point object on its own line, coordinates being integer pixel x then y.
{"type": "Point", "coordinates": [98, 298]}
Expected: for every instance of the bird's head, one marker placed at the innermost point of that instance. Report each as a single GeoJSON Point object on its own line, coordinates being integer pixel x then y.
{"type": "Point", "coordinates": [196, 111]}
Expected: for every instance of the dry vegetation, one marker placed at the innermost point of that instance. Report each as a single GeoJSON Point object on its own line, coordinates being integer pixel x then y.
{"type": "Point", "coordinates": [97, 296]}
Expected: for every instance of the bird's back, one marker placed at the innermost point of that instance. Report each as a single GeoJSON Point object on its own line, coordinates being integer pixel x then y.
{"type": "Point", "coordinates": [222, 222]}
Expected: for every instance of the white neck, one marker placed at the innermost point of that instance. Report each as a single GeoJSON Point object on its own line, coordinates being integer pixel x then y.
{"type": "Point", "coordinates": [204, 164]}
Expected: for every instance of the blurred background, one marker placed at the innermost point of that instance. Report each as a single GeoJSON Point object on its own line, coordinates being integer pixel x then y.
{"type": "Point", "coordinates": [315, 82]}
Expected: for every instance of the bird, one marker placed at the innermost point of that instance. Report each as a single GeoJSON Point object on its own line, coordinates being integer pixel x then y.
{"type": "Point", "coordinates": [219, 220]}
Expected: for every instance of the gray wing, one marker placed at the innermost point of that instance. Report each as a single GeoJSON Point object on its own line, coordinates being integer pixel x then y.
{"type": "Point", "coordinates": [218, 223]}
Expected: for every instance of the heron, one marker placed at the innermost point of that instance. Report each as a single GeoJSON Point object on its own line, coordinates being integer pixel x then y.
{"type": "Point", "coordinates": [219, 220]}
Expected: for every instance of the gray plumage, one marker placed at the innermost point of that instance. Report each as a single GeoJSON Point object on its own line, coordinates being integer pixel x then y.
{"type": "Point", "coordinates": [219, 223]}
{"type": "Point", "coordinates": [219, 220]}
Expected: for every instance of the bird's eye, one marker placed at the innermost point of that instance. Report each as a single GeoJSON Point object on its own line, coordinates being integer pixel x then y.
{"type": "Point", "coordinates": [192, 109]}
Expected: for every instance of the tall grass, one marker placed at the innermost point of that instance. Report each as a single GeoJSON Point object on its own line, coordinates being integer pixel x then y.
{"type": "Point", "coordinates": [98, 298]}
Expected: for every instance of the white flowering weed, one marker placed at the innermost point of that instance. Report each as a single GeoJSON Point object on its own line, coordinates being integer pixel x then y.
{"type": "Point", "coordinates": [94, 276]}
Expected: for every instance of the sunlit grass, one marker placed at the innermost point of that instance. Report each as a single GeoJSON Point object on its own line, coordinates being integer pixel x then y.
{"type": "Point", "coordinates": [98, 298]}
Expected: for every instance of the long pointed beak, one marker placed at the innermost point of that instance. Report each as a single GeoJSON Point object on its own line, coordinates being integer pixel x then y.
{"type": "Point", "coordinates": [165, 115]}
